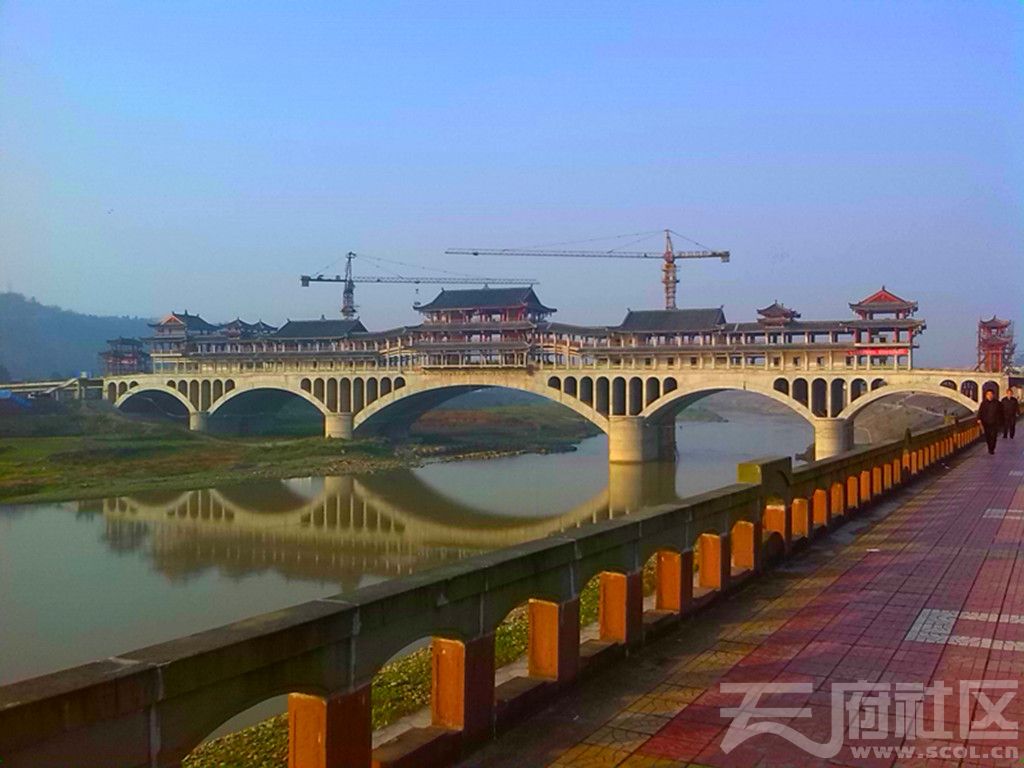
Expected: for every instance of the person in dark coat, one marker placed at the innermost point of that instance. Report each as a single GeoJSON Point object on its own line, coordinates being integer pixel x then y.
{"type": "Point", "coordinates": [1011, 409]}
{"type": "Point", "coordinates": [990, 416]}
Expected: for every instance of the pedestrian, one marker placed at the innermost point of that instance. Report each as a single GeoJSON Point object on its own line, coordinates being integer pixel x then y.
{"type": "Point", "coordinates": [990, 416]}
{"type": "Point", "coordinates": [1011, 408]}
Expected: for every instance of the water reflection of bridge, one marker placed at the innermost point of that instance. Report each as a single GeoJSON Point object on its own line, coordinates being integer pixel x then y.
{"type": "Point", "coordinates": [347, 529]}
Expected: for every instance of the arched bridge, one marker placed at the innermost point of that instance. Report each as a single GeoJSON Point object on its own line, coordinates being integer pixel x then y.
{"type": "Point", "coordinates": [635, 407]}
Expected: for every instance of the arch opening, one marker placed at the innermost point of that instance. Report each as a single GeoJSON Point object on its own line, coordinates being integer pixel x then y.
{"type": "Point", "coordinates": [885, 414]}
{"type": "Point", "coordinates": [156, 404]}
{"type": "Point", "coordinates": [266, 411]}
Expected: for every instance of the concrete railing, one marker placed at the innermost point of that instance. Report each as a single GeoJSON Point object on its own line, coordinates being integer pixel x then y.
{"type": "Point", "coordinates": [151, 707]}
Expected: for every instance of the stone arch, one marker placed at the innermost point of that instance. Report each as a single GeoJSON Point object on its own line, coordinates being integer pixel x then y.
{"type": "Point", "coordinates": [124, 397]}
{"type": "Point", "coordinates": [921, 388]}
{"type": "Point", "coordinates": [857, 389]}
{"type": "Point", "coordinates": [409, 403]}
{"type": "Point", "coordinates": [305, 395]}
{"type": "Point", "coordinates": [970, 389]}
{"type": "Point", "coordinates": [569, 386]}
{"type": "Point", "coordinates": [672, 402]}
{"type": "Point", "coordinates": [618, 396]}
{"type": "Point", "coordinates": [635, 396]}
{"type": "Point", "coordinates": [602, 396]}
{"type": "Point", "coordinates": [586, 392]}
{"type": "Point", "coordinates": [837, 391]}
{"type": "Point", "coordinates": [819, 397]}
{"type": "Point", "coordinates": [781, 384]}
{"type": "Point", "coordinates": [652, 390]}
{"type": "Point", "coordinates": [332, 394]}
{"type": "Point", "coordinates": [802, 392]}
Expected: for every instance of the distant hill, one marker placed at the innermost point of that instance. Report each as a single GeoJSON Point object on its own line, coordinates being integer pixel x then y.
{"type": "Point", "coordinates": [39, 342]}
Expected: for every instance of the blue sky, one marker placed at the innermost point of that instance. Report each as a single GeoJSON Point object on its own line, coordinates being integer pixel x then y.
{"type": "Point", "coordinates": [160, 155]}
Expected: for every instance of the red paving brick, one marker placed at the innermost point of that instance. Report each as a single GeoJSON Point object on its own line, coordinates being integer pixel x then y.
{"type": "Point", "coordinates": [931, 590]}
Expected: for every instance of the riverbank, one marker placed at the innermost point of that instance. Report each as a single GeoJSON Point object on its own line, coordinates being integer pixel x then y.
{"type": "Point", "coordinates": [88, 451]}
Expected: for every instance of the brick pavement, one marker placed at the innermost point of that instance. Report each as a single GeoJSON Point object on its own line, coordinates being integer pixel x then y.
{"type": "Point", "coordinates": [926, 587]}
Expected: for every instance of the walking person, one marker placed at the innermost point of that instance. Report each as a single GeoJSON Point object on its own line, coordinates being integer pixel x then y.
{"type": "Point", "coordinates": [990, 416]}
{"type": "Point", "coordinates": [1011, 409]}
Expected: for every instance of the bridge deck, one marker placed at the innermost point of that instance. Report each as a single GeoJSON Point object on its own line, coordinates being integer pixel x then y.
{"type": "Point", "coordinates": [929, 588]}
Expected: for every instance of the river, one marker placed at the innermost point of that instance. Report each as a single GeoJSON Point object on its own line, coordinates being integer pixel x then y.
{"type": "Point", "coordinates": [86, 580]}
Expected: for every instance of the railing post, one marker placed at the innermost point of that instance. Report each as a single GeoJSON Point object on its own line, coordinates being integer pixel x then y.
{"type": "Point", "coordinates": [837, 507]}
{"type": "Point", "coordinates": [715, 558]}
{"type": "Point", "coordinates": [865, 486]}
{"type": "Point", "coordinates": [820, 511]}
{"type": "Point", "coordinates": [674, 589]}
{"type": "Point", "coordinates": [463, 686]}
{"type": "Point", "coordinates": [621, 607]}
{"type": "Point", "coordinates": [877, 486]}
{"type": "Point", "coordinates": [332, 732]}
{"type": "Point", "coordinates": [775, 520]}
{"type": "Point", "coordinates": [852, 492]}
{"type": "Point", "coordinates": [746, 546]}
{"type": "Point", "coordinates": [803, 523]}
{"type": "Point", "coordinates": [554, 639]}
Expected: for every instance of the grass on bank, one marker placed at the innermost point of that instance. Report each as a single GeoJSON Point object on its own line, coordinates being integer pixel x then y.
{"type": "Point", "coordinates": [88, 450]}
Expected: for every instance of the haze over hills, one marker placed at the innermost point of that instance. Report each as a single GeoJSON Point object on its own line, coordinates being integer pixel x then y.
{"type": "Point", "coordinates": [39, 341]}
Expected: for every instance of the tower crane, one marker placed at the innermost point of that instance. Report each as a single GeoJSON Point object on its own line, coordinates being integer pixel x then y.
{"type": "Point", "coordinates": [669, 256]}
{"type": "Point", "coordinates": [348, 293]}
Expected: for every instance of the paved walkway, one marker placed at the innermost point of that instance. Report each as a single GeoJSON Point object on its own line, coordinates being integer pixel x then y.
{"type": "Point", "coordinates": [929, 587]}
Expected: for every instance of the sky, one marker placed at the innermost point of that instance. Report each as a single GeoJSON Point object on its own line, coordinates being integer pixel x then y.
{"type": "Point", "coordinates": [159, 156]}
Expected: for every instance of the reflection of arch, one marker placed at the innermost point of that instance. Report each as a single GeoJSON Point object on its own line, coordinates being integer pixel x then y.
{"type": "Point", "coordinates": [236, 393]}
{"type": "Point", "coordinates": [140, 390]}
{"type": "Point", "coordinates": [403, 406]}
{"type": "Point", "coordinates": [916, 389]}
{"type": "Point", "coordinates": [673, 402]}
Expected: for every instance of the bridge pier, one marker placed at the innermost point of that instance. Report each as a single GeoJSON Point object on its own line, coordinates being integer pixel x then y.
{"type": "Point", "coordinates": [197, 422]}
{"type": "Point", "coordinates": [832, 436]}
{"type": "Point", "coordinates": [338, 425]}
{"type": "Point", "coordinates": [634, 440]}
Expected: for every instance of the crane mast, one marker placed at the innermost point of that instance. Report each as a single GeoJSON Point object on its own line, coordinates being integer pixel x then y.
{"type": "Point", "coordinates": [669, 257]}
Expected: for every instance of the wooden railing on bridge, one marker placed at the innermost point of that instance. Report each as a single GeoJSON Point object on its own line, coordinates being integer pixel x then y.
{"type": "Point", "coordinates": [151, 707]}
